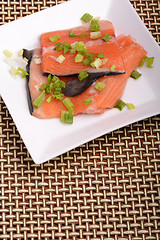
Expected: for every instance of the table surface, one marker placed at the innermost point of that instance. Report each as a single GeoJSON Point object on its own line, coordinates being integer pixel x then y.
{"type": "Point", "coordinates": [108, 188]}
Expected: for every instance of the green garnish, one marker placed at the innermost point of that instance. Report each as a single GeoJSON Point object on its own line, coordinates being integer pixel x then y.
{"type": "Point", "coordinates": [54, 38]}
{"type": "Point", "coordinates": [58, 96]}
{"type": "Point", "coordinates": [130, 106]}
{"type": "Point", "coordinates": [143, 61]}
{"type": "Point", "coordinates": [149, 62]}
{"type": "Point", "coordinates": [135, 74]}
{"type": "Point", "coordinates": [7, 53]}
{"type": "Point", "coordinates": [14, 72]}
{"type": "Point", "coordinates": [49, 78]}
{"type": "Point", "coordinates": [69, 105]}
{"type": "Point", "coordinates": [79, 58]}
{"type": "Point", "coordinates": [72, 51]}
{"type": "Point", "coordinates": [62, 46]}
{"type": "Point", "coordinates": [100, 55]}
{"type": "Point", "coordinates": [82, 75]}
{"type": "Point", "coordinates": [66, 117]}
{"type": "Point", "coordinates": [86, 17]}
{"type": "Point", "coordinates": [120, 105]}
{"type": "Point", "coordinates": [83, 35]}
{"type": "Point", "coordinates": [49, 99]}
{"type": "Point", "coordinates": [20, 53]}
{"type": "Point", "coordinates": [39, 100]}
{"type": "Point", "coordinates": [89, 54]}
{"type": "Point", "coordinates": [99, 86]}
{"type": "Point", "coordinates": [88, 101]}
{"type": "Point", "coordinates": [107, 37]}
{"type": "Point", "coordinates": [80, 47]}
{"type": "Point", "coordinates": [94, 25]}
{"type": "Point", "coordinates": [87, 61]}
{"type": "Point", "coordinates": [60, 59]}
{"type": "Point", "coordinates": [97, 63]}
{"type": "Point", "coordinates": [24, 73]}
{"type": "Point", "coordinates": [113, 67]}
{"type": "Point", "coordinates": [72, 34]}
{"type": "Point", "coordinates": [95, 35]}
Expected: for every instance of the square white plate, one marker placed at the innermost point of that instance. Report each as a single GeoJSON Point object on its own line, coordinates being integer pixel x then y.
{"type": "Point", "coordinates": [46, 139]}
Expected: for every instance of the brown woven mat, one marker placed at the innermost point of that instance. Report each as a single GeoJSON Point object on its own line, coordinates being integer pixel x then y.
{"type": "Point", "coordinates": [107, 189]}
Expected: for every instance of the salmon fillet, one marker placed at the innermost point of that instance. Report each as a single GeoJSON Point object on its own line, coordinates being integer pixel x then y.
{"type": "Point", "coordinates": [132, 54]}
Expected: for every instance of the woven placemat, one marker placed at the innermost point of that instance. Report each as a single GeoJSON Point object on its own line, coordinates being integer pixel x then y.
{"type": "Point", "coordinates": [106, 189]}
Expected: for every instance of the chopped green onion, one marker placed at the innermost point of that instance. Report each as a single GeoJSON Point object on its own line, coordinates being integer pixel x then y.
{"type": "Point", "coordinates": [94, 25]}
{"type": "Point", "coordinates": [89, 54]}
{"type": "Point", "coordinates": [20, 53]}
{"type": "Point", "coordinates": [39, 100]}
{"type": "Point", "coordinates": [79, 58]}
{"type": "Point", "coordinates": [55, 78]}
{"type": "Point", "coordinates": [95, 35]}
{"type": "Point", "coordinates": [14, 72]}
{"type": "Point", "coordinates": [58, 96]}
{"type": "Point", "coordinates": [88, 101]}
{"type": "Point", "coordinates": [66, 117]}
{"type": "Point", "coordinates": [72, 34]}
{"type": "Point", "coordinates": [130, 106]}
{"type": "Point", "coordinates": [87, 61]}
{"type": "Point", "coordinates": [25, 59]}
{"type": "Point", "coordinates": [66, 47]}
{"type": "Point", "coordinates": [97, 63]}
{"type": "Point", "coordinates": [99, 86]}
{"type": "Point", "coordinates": [7, 53]}
{"type": "Point", "coordinates": [107, 37]}
{"type": "Point", "coordinates": [69, 105]}
{"type": "Point", "coordinates": [83, 35]}
{"type": "Point", "coordinates": [82, 75]}
{"type": "Point", "coordinates": [54, 38]}
{"type": "Point", "coordinates": [135, 74]}
{"type": "Point", "coordinates": [48, 89]}
{"type": "Point", "coordinates": [86, 17]}
{"type": "Point", "coordinates": [49, 78]}
{"type": "Point", "coordinates": [49, 99]}
{"type": "Point", "coordinates": [60, 59]}
{"type": "Point", "coordinates": [80, 47]}
{"type": "Point", "coordinates": [143, 61]}
{"type": "Point", "coordinates": [100, 55]}
{"type": "Point", "coordinates": [43, 87]}
{"type": "Point", "coordinates": [112, 67]}
{"type": "Point", "coordinates": [120, 105]}
{"type": "Point", "coordinates": [73, 50]}
{"type": "Point", "coordinates": [24, 73]}
{"type": "Point", "coordinates": [149, 62]}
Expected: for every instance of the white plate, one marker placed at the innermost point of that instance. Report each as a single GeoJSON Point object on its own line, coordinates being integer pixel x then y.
{"type": "Point", "coordinates": [46, 139]}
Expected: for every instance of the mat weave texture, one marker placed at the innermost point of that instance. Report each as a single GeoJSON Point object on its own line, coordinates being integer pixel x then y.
{"type": "Point", "coordinates": [106, 189]}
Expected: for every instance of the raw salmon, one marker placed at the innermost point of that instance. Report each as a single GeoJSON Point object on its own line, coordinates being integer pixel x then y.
{"type": "Point", "coordinates": [50, 55]}
{"type": "Point", "coordinates": [132, 54]}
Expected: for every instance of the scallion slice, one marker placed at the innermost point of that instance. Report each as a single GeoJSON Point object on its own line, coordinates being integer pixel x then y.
{"type": "Point", "coordinates": [143, 61]}
{"type": "Point", "coordinates": [49, 99]}
{"type": "Point", "coordinates": [95, 35]}
{"type": "Point", "coordinates": [14, 72]}
{"type": "Point", "coordinates": [97, 63]}
{"type": "Point", "coordinates": [99, 86]}
{"type": "Point", "coordinates": [24, 73]}
{"type": "Point", "coordinates": [120, 105]}
{"type": "Point", "coordinates": [82, 75]}
{"type": "Point", "coordinates": [86, 17]}
{"type": "Point", "coordinates": [100, 55]}
{"type": "Point", "coordinates": [130, 106]}
{"type": "Point", "coordinates": [79, 58]}
{"type": "Point", "coordinates": [54, 38]}
{"type": "Point", "coordinates": [20, 53]}
{"type": "Point", "coordinates": [66, 117]}
{"type": "Point", "coordinates": [39, 100]}
{"type": "Point", "coordinates": [61, 59]}
{"type": "Point", "coordinates": [94, 25]}
{"type": "Point", "coordinates": [135, 74]}
{"type": "Point", "coordinates": [149, 62]}
{"type": "Point", "coordinates": [83, 35]}
{"type": "Point", "coordinates": [80, 47]}
{"type": "Point", "coordinates": [88, 101]}
{"type": "Point", "coordinates": [107, 37]}
{"type": "Point", "coordinates": [7, 53]}
{"type": "Point", "coordinates": [87, 61]}
{"type": "Point", "coordinates": [69, 105]}
{"type": "Point", "coordinates": [113, 67]}
{"type": "Point", "coordinates": [72, 34]}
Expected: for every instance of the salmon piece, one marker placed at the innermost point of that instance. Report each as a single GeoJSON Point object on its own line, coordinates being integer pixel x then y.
{"type": "Point", "coordinates": [132, 54]}
{"type": "Point", "coordinates": [110, 49]}
{"type": "Point", "coordinates": [111, 52]}
{"type": "Point", "coordinates": [106, 27]}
